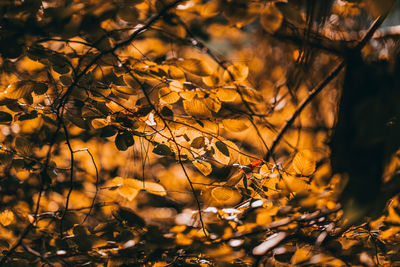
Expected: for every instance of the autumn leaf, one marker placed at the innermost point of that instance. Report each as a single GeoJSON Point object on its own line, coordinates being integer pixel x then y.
{"type": "Point", "coordinates": [235, 125]}
{"type": "Point", "coordinates": [236, 72]}
{"type": "Point", "coordinates": [303, 163]}
{"type": "Point", "coordinates": [6, 217]}
{"type": "Point", "coordinates": [271, 18]}
{"type": "Point", "coordinates": [204, 167]}
{"type": "Point", "coordinates": [196, 108]}
{"type": "Point", "coordinates": [225, 195]}
{"type": "Point", "coordinates": [196, 66]}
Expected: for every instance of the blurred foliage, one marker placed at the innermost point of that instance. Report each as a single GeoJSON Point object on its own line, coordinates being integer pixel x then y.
{"type": "Point", "coordinates": [198, 133]}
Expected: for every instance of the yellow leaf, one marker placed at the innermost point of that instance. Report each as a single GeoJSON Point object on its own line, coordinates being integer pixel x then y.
{"type": "Point", "coordinates": [196, 66]}
{"type": "Point", "coordinates": [196, 108]}
{"type": "Point", "coordinates": [204, 167]}
{"type": "Point", "coordinates": [129, 188]}
{"type": "Point", "coordinates": [303, 163]}
{"type": "Point", "coordinates": [127, 192]}
{"type": "Point", "coordinates": [264, 216]}
{"type": "Point", "coordinates": [225, 195]}
{"type": "Point", "coordinates": [301, 255]}
{"type": "Point", "coordinates": [149, 187]}
{"type": "Point", "coordinates": [293, 184]}
{"type": "Point", "coordinates": [212, 103]}
{"type": "Point", "coordinates": [220, 157]}
{"type": "Point", "coordinates": [176, 73]}
{"type": "Point", "coordinates": [176, 86]}
{"type": "Point", "coordinates": [183, 240]}
{"type": "Point", "coordinates": [187, 95]}
{"type": "Point", "coordinates": [271, 18]}
{"type": "Point", "coordinates": [99, 123]}
{"type": "Point", "coordinates": [235, 125]}
{"type": "Point", "coordinates": [167, 96]}
{"type": "Point", "coordinates": [210, 9]}
{"type": "Point", "coordinates": [212, 80]}
{"type": "Point", "coordinates": [236, 72]}
{"type": "Point", "coordinates": [7, 217]}
{"type": "Point", "coordinates": [250, 95]}
{"type": "Point", "coordinates": [244, 160]}
{"type": "Point", "coordinates": [227, 95]}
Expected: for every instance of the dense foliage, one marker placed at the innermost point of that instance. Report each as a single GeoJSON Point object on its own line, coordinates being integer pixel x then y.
{"type": "Point", "coordinates": [204, 133]}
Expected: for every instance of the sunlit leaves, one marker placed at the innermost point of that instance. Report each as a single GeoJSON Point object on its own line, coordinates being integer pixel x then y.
{"type": "Point", "coordinates": [6, 217]}
{"type": "Point", "coordinates": [271, 18]}
{"type": "Point", "coordinates": [99, 123]}
{"type": "Point", "coordinates": [204, 167]}
{"type": "Point", "coordinates": [227, 95]}
{"type": "Point", "coordinates": [196, 66]}
{"type": "Point", "coordinates": [225, 195]}
{"type": "Point", "coordinates": [24, 88]}
{"type": "Point", "coordinates": [196, 108]}
{"type": "Point", "coordinates": [236, 72]}
{"type": "Point", "coordinates": [303, 163]}
{"type": "Point", "coordinates": [129, 188]}
{"type": "Point", "coordinates": [235, 125]}
{"type": "Point", "coordinates": [168, 96]}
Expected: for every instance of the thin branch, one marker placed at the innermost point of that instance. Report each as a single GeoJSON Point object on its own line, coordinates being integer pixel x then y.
{"type": "Point", "coordinates": [300, 108]}
{"type": "Point", "coordinates": [97, 181]}
{"type": "Point", "coordinates": [71, 175]}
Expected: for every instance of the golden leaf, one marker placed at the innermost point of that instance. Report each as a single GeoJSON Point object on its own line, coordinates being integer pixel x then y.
{"type": "Point", "coordinates": [196, 66]}
{"type": "Point", "coordinates": [196, 108]}
{"type": "Point", "coordinates": [176, 73]}
{"type": "Point", "coordinates": [303, 163]}
{"type": "Point", "coordinates": [250, 95]}
{"type": "Point", "coordinates": [131, 82]}
{"type": "Point", "coordinates": [235, 125]}
{"type": "Point", "coordinates": [212, 80]}
{"type": "Point", "coordinates": [204, 167]}
{"type": "Point", "coordinates": [167, 96]}
{"type": "Point", "coordinates": [99, 123]}
{"type": "Point", "coordinates": [210, 9]}
{"type": "Point", "coordinates": [187, 95]}
{"type": "Point", "coordinates": [129, 188]}
{"type": "Point", "coordinates": [176, 86]}
{"type": "Point", "coordinates": [271, 18]}
{"type": "Point", "coordinates": [227, 95]}
{"type": "Point", "coordinates": [127, 192]}
{"type": "Point", "coordinates": [6, 217]}
{"type": "Point", "coordinates": [220, 156]}
{"type": "Point", "coordinates": [225, 195]}
{"type": "Point", "coordinates": [212, 103]}
{"type": "Point", "coordinates": [236, 72]}
{"type": "Point", "coordinates": [301, 255]}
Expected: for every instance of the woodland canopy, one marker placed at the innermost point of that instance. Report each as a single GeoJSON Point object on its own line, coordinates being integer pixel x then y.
{"type": "Point", "coordinates": [199, 133]}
